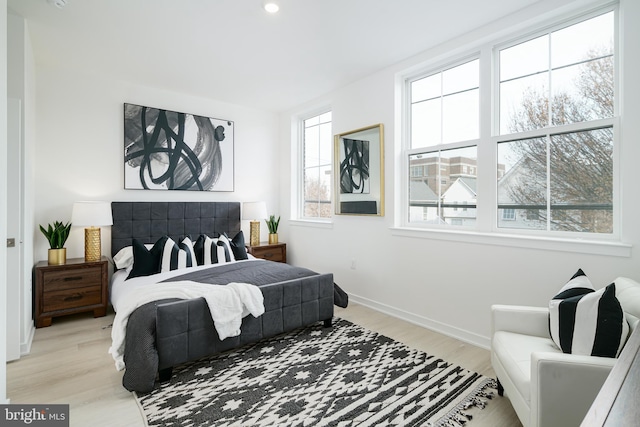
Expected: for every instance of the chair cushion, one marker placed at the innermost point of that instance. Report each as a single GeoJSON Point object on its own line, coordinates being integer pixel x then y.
{"type": "Point", "coordinates": [514, 352]}
{"type": "Point", "coordinates": [585, 321]}
{"type": "Point", "coordinates": [628, 293]}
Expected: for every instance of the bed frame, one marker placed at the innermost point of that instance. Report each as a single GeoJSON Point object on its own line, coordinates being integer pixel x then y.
{"type": "Point", "coordinates": [184, 328]}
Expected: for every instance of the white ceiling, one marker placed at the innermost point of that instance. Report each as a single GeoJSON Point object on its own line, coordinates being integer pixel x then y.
{"type": "Point", "coordinates": [233, 51]}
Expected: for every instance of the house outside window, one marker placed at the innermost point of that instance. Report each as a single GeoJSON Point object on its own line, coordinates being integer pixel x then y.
{"type": "Point", "coordinates": [316, 167]}
{"type": "Point", "coordinates": [550, 132]}
{"type": "Point", "coordinates": [444, 129]}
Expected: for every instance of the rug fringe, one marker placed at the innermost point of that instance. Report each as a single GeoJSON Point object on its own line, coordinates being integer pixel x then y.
{"type": "Point", "coordinates": [457, 417]}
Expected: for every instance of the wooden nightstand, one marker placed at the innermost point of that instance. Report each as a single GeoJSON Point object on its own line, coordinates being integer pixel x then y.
{"type": "Point", "coordinates": [276, 252]}
{"type": "Point", "coordinates": [74, 287]}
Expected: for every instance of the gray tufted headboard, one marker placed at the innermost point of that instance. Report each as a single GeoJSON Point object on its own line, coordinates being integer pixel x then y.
{"type": "Point", "coordinates": [149, 221]}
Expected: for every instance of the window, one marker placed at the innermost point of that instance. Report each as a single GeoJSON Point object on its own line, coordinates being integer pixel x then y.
{"type": "Point", "coordinates": [316, 168]}
{"type": "Point", "coordinates": [558, 89]}
{"type": "Point", "coordinates": [550, 135]}
{"type": "Point", "coordinates": [417, 172]}
{"type": "Point", "coordinates": [444, 130]}
{"type": "Point", "coordinates": [508, 214]}
{"type": "Point", "coordinates": [434, 199]}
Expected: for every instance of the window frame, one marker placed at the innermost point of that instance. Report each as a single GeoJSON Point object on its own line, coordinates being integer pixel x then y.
{"type": "Point", "coordinates": [550, 130]}
{"type": "Point", "coordinates": [407, 151]}
{"type": "Point", "coordinates": [487, 208]}
{"type": "Point", "coordinates": [299, 210]}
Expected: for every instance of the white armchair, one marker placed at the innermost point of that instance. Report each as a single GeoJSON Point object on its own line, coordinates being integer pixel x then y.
{"type": "Point", "coordinates": [547, 387]}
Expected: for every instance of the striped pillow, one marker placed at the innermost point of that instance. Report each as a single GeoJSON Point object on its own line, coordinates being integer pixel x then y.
{"type": "Point", "coordinates": [175, 256]}
{"type": "Point", "coordinates": [187, 245]}
{"type": "Point", "coordinates": [585, 321]}
{"type": "Point", "coordinates": [213, 251]}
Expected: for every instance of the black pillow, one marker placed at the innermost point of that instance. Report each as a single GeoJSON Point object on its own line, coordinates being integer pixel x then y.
{"type": "Point", "coordinates": [145, 261]}
{"type": "Point", "coordinates": [237, 246]}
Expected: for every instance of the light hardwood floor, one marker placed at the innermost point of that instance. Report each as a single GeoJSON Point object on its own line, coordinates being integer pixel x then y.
{"type": "Point", "coordinates": [69, 364]}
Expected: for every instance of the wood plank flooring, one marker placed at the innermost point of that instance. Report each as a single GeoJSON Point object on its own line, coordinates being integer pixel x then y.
{"type": "Point", "coordinates": [69, 364]}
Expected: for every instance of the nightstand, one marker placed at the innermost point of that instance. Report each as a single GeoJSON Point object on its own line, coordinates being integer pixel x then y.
{"type": "Point", "coordinates": [276, 252]}
{"type": "Point", "coordinates": [74, 287]}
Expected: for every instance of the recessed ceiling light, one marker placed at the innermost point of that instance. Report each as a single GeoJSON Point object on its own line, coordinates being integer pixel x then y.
{"type": "Point", "coordinates": [271, 7]}
{"type": "Point", "coordinates": [58, 3]}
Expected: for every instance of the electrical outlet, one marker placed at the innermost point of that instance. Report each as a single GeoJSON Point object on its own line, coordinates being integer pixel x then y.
{"type": "Point", "coordinates": [353, 263]}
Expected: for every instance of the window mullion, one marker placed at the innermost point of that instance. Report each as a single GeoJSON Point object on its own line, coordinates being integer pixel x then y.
{"type": "Point", "coordinates": [548, 182]}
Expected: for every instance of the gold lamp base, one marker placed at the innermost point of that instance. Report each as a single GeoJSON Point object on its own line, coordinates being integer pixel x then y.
{"type": "Point", "coordinates": [254, 233]}
{"type": "Point", "coordinates": [92, 244]}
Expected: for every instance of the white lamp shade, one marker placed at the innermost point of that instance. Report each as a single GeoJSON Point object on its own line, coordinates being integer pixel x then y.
{"type": "Point", "coordinates": [91, 214]}
{"type": "Point", "coordinates": [254, 210]}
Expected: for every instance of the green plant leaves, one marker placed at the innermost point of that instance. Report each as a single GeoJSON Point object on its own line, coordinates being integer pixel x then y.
{"type": "Point", "coordinates": [57, 234]}
{"type": "Point", "coordinates": [272, 224]}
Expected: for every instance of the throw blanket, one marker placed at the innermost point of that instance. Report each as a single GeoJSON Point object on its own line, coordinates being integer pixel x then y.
{"type": "Point", "coordinates": [228, 304]}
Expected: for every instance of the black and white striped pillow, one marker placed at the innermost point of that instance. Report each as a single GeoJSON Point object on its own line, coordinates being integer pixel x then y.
{"type": "Point", "coordinates": [585, 321]}
{"type": "Point", "coordinates": [175, 256]}
{"type": "Point", "coordinates": [187, 245]}
{"type": "Point", "coordinates": [213, 250]}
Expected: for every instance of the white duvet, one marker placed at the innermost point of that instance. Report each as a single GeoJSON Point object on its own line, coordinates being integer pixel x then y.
{"type": "Point", "coordinates": [228, 305]}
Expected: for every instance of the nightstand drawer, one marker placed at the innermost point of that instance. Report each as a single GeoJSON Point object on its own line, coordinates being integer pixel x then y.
{"type": "Point", "coordinates": [65, 299]}
{"type": "Point", "coordinates": [71, 279]}
{"type": "Point", "coordinates": [276, 252]}
{"type": "Point", "coordinates": [269, 254]}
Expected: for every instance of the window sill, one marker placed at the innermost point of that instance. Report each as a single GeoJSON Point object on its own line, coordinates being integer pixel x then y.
{"type": "Point", "coordinates": [592, 247]}
{"type": "Point", "coordinates": [311, 223]}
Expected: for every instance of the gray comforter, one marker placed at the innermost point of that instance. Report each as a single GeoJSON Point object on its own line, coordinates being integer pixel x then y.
{"type": "Point", "coordinates": [141, 356]}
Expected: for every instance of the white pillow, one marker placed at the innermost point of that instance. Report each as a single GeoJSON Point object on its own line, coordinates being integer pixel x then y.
{"type": "Point", "coordinates": [124, 257]}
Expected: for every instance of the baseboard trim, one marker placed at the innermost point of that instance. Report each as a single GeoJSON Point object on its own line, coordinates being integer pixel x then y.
{"type": "Point", "coordinates": [25, 347]}
{"type": "Point", "coordinates": [451, 331]}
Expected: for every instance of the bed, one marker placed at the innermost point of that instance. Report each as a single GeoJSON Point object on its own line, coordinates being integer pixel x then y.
{"type": "Point", "coordinates": [169, 331]}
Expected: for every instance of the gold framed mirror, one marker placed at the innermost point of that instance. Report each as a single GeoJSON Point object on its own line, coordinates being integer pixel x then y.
{"type": "Point", "coordinates": [359, 171]}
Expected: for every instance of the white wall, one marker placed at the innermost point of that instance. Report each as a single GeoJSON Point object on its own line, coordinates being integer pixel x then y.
{"type": "Point", "coordinates": [3, 201]}
{"type": "Point", "coordinates": [79, 149]}
{"type": "Point", "coordinates": [450, 285]}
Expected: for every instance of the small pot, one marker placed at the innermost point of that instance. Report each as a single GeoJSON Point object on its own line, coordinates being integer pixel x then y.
{"type": "Point", "coordinates": [273, 238]}
{"type": "Point", "coordinates": [57, 256]}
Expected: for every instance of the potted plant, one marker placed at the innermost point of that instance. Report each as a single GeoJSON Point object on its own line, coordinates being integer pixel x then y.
{"type": "Point", "coordinates": [57, 236]}
{"type": "Point", "coordinates": [272, 224]}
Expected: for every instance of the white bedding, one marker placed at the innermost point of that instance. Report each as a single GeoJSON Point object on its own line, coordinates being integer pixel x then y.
{"type": "Point", "coordinates": [228, 304]}
{"type": "Point", "coordinates": [119, 286]}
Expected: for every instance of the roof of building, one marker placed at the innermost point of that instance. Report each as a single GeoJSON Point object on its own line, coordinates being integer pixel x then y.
{"type": "Point", "coordinates": [419, 190]}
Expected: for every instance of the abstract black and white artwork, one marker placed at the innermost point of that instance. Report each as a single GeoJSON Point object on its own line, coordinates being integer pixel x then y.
{"type": "Point", "coordinates": [354, 166]}
{"type": "Point", "coordinates": [167, 150]}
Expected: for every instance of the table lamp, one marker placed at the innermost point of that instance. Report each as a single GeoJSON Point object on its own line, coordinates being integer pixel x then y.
{"type": "Point", "coordinates": [92, 215]}
{"type": "Point", "coordinates": [254, 212]}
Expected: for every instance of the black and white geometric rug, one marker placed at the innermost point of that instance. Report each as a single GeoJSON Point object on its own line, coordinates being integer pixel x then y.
{"type": "Point", "coordinates": [340, 376]}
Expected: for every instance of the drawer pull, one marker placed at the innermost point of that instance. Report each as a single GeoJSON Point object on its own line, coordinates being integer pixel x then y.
{"type": "Point", "coordinates": [72, 278]}
{"type": "Point", "coordinates": [74, 297]}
